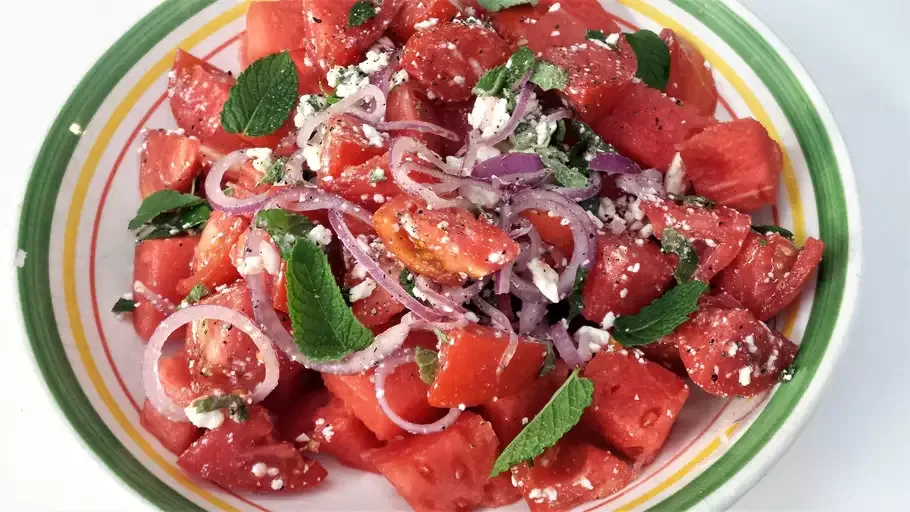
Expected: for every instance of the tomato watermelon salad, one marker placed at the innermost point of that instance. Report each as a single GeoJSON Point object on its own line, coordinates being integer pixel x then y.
{"type": "Point", "coordinates": [482, 249]}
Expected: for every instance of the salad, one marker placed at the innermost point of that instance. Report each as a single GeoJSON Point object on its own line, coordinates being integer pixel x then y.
{"type": "Point", "coordinates": [483, 249]}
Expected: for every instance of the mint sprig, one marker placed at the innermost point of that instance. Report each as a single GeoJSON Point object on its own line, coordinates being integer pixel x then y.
{"type": "Point", "coordinates": [504, 77]}
{"type": "Point", "coordinates": [284, 227]}
{"type": "Point", "coordinates": [561, 413]}
{"type": "Point", "coordinates": [498, 5]}
{"type": "Point", "coordinates": [653, 58]}
{"type": "Point", "coordinates": [196, 294]}
{"type": "Point", "coordinates": [237, 409]}
{"type": "Point", "coordinates": [325, 329]}
{"type": "Point", "coordinates": [360, 13]}
{"type": "Point", "coordinates": [427, 362]}
{"type": "Point", "coordinates": [163, 201]}
{"type": "Point", "coordinates": [261, 100]}
{"type": "Point", "coordinates": [167, 213]}
{"type": "Point", "coordinates": [575, 298]}
{"type": "Point", "coordinates": [124, 306]}
{"type": "Point", "coordinates": [765, 230]}
{"type": "Point", "coordinates": [661, 317]}
{"type": "Point", "coordinates": [275, 173]}
{"type": "Point", "coordinates": [673, 241]}
{"type": "Point", "coordinates": [549, 76]}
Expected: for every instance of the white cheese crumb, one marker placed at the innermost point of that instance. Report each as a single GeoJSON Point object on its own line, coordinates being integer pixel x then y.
{"type": "Point", "coordinates": [745, 376]}
{"type": "Point", "coordinates": [320, 235]}
{"type": "Point", "coordinates": [210, 420]}
{"type": "Point", "coordinates": [362, 290]}
{"type": "Point", "coordinates": [20, 258]}
{"type": "Point", "coordinates": [608, 320]}
{"type": "Point", "coordinates": [545, 279]}
{"type": "Point", "coordinates": [399, 77]}
{"type": "Point", "coordinates": [313, 156]}
{"type": "Point", "coordinates": [328, 432]}
{"type": "Point", "coordinates": [374, 62]}
{"type": "Point", "coordinates": [277, 484]}
{"type": "Point", "coordinates": [259, 469]}
{"type": "Point", "coordinates": [553, 8]}
{"type": "Point", "coordinates": [262, 158]}
{"type": "Point", "coordinates": [583, 481]}
{"type": "Point", "coordinates": [675, 179]}
{"type": "Point", "coordinates": [590, 341]}
{"type": "Point", "coordinates": [373, 135]}
{"type": "Point", "coordinates": [423, 25]}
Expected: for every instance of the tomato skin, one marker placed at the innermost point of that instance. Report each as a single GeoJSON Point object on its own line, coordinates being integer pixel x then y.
{"type": "Point", "coordinates": [438, 56]}
{"type": "Point", "coordinates": [540, 29]}
{"type": "Point", "coordinates": [506, 414]}
{"type": "Point", "coordinates": [598, 79]}
{"type": "Point", "coordinates": [646, 126]}
{"type": "Point", "coordinates": [626, 276]}
{"type": "Point", "coordinates": [175, 436]}
{"type": "Point", "coordinates": [272, 27]}
{"type": "Point", "coordinates": [447, 245]}
{"type": "Point", "coordinates": [636, 402]}
{"type": "Point", "coordinates": [442, 471]}
{"type": "Point", "coordinates": [160, 265]}
{"type": "Point", "coordinates": [719, 232]}
{"type": "Point", "coordinates": [561, 467]}
{"type": "Point", "coordinates": [732, 340]}
{"type": "Point", "coordinates": [467, 374]}
{"type": "Point", "coordinates": [552, 231]}
{"type": "Point", "coordinates": [737, 164]}
{"type": "Point", "coordinates": [331, 42]}
{"type": "Point", "coordinates": [499, 491]}
{"type": "Point", "coordinates": [413, 13]}
{"type": "Point", "coordinates": [212, 265]}
{"type": "Point", "coordinates": [168, 160]}
{"type": "Point", "coordinates": [408, 102]}
{"type": "Point", "coordinates": [690, 81]}
{"type": "Point", "coordinates": [226, 456]}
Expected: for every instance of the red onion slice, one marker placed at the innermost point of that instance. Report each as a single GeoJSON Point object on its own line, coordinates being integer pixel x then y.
{"type": "Point", "coordinates": [613, 163]}
{"type": "Point", "coordinates": [581, 194]}
{"type": "Point", "coordinates": [521, 107]}
{"type": "Point", "coordinates": [401, 173]}
{"type": "Point", "coordinates": [159, 302]}
{"type": "Point", "coordinates": [557, 115]}
{"type": "Point", "coordinates": [217, 197]}
{"type": "Point", "coordinates": [497, 317]}
{"type": "Point", "coordinates": [564, 346]}
{"type": "Point", "coordinates": [462, 295]}
{"type": "Point", "coordinates": [438, 299]}
{"type": "Point", "coordinates": [151, 379]}
{"type": "Point", "coordinates": [308, 198]}
{"type": "Point", "coordinates": [647, 183]}
{"type": "Point", "coordinates": [530, 316]}
{"type": "Point", "coordinates": [348, 105]}
{"type": "Point", "coordinates": [382, 372]}
{"type": "Point", "coordinates": [418, 126]}
{"type": "Point", "coordinates": [525, 290]}
{"type": "Point", "coordinates": [508, 165]}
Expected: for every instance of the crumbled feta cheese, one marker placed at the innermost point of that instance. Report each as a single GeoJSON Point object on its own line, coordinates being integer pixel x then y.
{"type": "Point", "coordinates": [590, 341]}
{"type": "Point", "coordinates": [544, 278]}
{"type": "Point", "coordinates": [313, 156]}
{"type": "Point", "coordinates": [613, 39]}
{"type": "Point", "coordinates": [399, 77]}
{"type": "Point", "coordinates": [544, 131]}
{"type": "Point", "coordinates": [320, 235]}
{"type": "Point", "coordinates": [675, 179]}
{"type": "Point", "coordinates": [308, 106]}
{"type": "Point", "coordinates": [363, 290]}
{"type": "Point", "coordinates": [277, 484]}
{"type": "Point", "coordinates": [745, 376]}
{"type": "Point", "coordinates": [608, 320]}
{"type": "Point", "coordinates": [583, 481]}
{"type": "Point", "coordinates": [553, 8]}
{"type": "Point", "coordinates": [373, 135]}
{"type": "Point", "coordinates": [458, 79]}
{"type": "Point", "coordinates": [210, 420]}
{"type": "Point", "coordinates": [489, 115]}
{"type": "Point", "coordinates": [423, 25]}
{"type": "Point", "coordinates": [375, 61]}
{"type": "Point", "coordinates": [328, 432]}
{"type": "Point", "coordinates": [262, 158]}
{"type": "Point", "coordinates": [259, 469]}
{"type": "Point", "coordinates": [347, 80]}
{"type": "Point", "coordinates": [20, 258]}
{"type": "Point", "coordinates": [487, 152]}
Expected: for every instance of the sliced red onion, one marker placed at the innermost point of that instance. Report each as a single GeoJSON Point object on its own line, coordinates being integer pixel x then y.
{"type": "Point", "coordinates": [497, 317]}
{"type": "Point", "coordinates": [418, 126]}
{"type": "Point", "coordinates": [401, 173]}
{"type": "Point", "coordinates": [151, 380]}
{"type": "Point", "coordinates": [647, 183]}
{"type": "Point", "coordinates": [159, 302]}
{"type": "Point", "coordinates": [533, 250]}
{"type": "Point", "coordinates": [508, 164]}
{"type": "Point", "coordinates": [530, 316]}
{"type": "Point", "coordinates": [525, 290]}
{"type": "Point", "coordinates": [348, 105]}
{"type": "Point", "coordinates": [613, 163]}
{"type": "Point", "coordinates": [382, 372]}
{"type": "Point", "coordinates": [217, 197]}
{"type": "Point", "coordinates": [308, 198]}
{"type": "Point", "coordinates": [564, 346]}
{"type": "Point", "coordinates": [378, 274]}
{"type": "Point", "coordinates": [581, 194]}
{"type": "Point", "coordinates": [521, 107]}
{"type": "Point", "coordinates": [557, 115]}
{"type": "Point", "coordinates": [436, 298]}
{"type": "Point", "coordinates": [462, 295]}
{"type": "Point", "coordinates": [421, 325]}
{"type": "Point", "coordinates": [469, 159]}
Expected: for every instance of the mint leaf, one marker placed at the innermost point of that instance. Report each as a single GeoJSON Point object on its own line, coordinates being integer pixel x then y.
{"type": "Point", "coordinates": [325, 329]}
{"type": "Point", "coordinates": [596, 35]}
{"type": "Point", "coordinates": [262, 98]}
{"type": "Point", "coordinates": [275, 172]}
{"type": "Point", "coordinates": [549, 362]}
{"type": "Point", "coordinates": [549, 76]}
{"type": "Point", "coordinates": [441, 337]}
{"type": "Point", "coordinates": [284, 227]}
{"type": "Point", "coordinates": [360, 13]}
{"type": "Point", "coordinates": [661, 317]}
{"type": "Point", "coordinates": [182, 221]}
{"type": "Point", "coordinates": [653, 58]}
{"type": "Point", "coordinates": [561, 413]}
{"type": "Point", "coordinates": [575, 299]}
{"type": "Point", "coordinates": [237, 410]}
{"type": "Point", "coordinates": [163, 201]}
{"type": "Point", "coordinates": [407, 281]}
{"type": "Point", "coordinates": [765, 230]}
{"type": "Point", "coordinates": [196, 294]}
{"type": "Point", "coordinates": [674, 242]}
{"type": "Point", "coordinates": [565, 175]}
{"type": "Point", "coordinates": [123, 306]}
{"type": "Point", "coordinates": [491, 83]}
{"type": "Point", "coordinates": [700, 201]}
{"type": "Point", "coordinates": [518, 64]}
{"type": "Point", "coordinates": [498, 5]}
{"type": "Point", "coordinates": [331, 99]}
{"type": "Point", "coordinates": [427, 362]}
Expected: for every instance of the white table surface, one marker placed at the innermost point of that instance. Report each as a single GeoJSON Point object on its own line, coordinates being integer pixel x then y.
{"type": "Point", "coordinates": [852, 455]}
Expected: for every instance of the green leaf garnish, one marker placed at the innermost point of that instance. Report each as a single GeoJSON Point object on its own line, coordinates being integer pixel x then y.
{"type": "Point", "coordinates": [549, 362]}
{"type": "Point", "coordinates": [596, 35]}
{"type": "Point", "coordinates": [491, 83]}
{"type": "Point", "coordinates": [441, 336]}
{"type": "Point", "coordinates": [275, 172]}
{"type": "Point", "coordinates": [765, 230]}
{"type": "Point", "coordinates": [518, 64]}
{"type": "Point", "coordinates": [549, 76]}
{"type": "Point", "coordinates": [262, 98]}
{"type": "Point", "coordinates": [565, 175]}
{"type": "Point", "coordinates": [661, 317]}
{"type": "Point", "coordinates": [196, 294]}
{"type": "Point", "coordinates": [237, 410]}
{"type": "Point", "coordinates": [427, 361]}
{"type": "Point", "coordinates": [325, 329]}
{"type": "Point", "coordinates": [407, 281]}
{"type": "Point", "coordinates": [284, 227]}
{"type": "Point", "coordinates": [674, 242]}
{"type": "Point", "coordinates": [360, 13]}
{"type": "Point", "coordinates": [504, 77]}
{"type": "Point", "coordinates": [123, 306]}
{"type": "Point", "coordinates": [498, 5]}
{"type": "Point", "coordinates": [575, 299]}
{"type": "Point", "coordinates": [700, 201]}
{"type": "Point", "coordinates": [377, 175]}
{"type": "Point", "coordinates": [653, 58]}
{"type": "Point", "coordinates": [163, 201]}
{"type": "Point", "coordinates": [167, 213]}
{"type": "Point", "coordinates": [561, 413]}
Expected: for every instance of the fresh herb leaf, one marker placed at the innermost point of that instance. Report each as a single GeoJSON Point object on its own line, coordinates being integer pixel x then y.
{"type": "Point", "coordinates": [596, 35]}
{"type": "Point", "coordinates": [262, 98]}
{"type": "Point", "coordinates": [160, 202]}
{"type": "Point", "coordinates": [229, 191]}
{"type": "Point", "coordinates": [498, 5]}
{"type": "Point", "coordinates": [565, 175]}
{"type": "Point", "coordinates": [331, 99]}
{"type": "Point", "coordinates": [549, 362]}
{"type": "Point", "coordinates": [427, 361]}
{"type": "Point", "coordinates": [661, 317]}
{"type": "Point", "coordinates": [653, 58]}
{"type": "Point", "coordinates": [441, 336]}
{"type": "Point", "coordinates": [786, 233]}
{"type": "Point", "coordinates": [173, 224]}
{"type": "Point", "coordinates": [377, 175]}
{"type": "Point", "coordinates": [325, 329]}
{"type": "Point", "coordinates": [518, 64]}
{"type": "Point", "coordinates": [196, 294]}
{"type": "Point", "coordinates": [700, 201]}
{"type": "Point", "coordinates": [123, 306]}
{"type": "Point", "coordinates": [561, 413]}
{"type": "Point", "coordinates": [549, 76]}
{"type": "Point", "coordinates": [787, 374]}
{"type": "Point", "coordinates": [491, 83]}
{"type": "Point", "coordinates": [576, 302]}
{"type": "Point", "coordinates": [588, 145]}
{"type": "Point", "coordinates": [284, 227]}
{"type": "Point", "coordinates": [275, 172]}
{"type": "Point", "coordinates": [407, 281]}
{"type": "Point", "coordinates": [763, 242]}
{"type": "Point", "coordinates": [237, 410]}
{"type": "Point", "coordinates": [674, 242]}
{"type": "Point", "coordinates": [360, 13]}
{"type": "Point", "coordinates": [560, 134]}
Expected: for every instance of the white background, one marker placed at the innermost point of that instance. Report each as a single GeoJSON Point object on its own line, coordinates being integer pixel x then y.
{"type": "Point", "coordinates": [854, 452]}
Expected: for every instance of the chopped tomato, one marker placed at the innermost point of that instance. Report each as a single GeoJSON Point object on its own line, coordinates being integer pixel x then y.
{"type": "Point", "coordinates": [310, 76]}
{"type": "Point", "coordinates": [769, 272]}
{"type": "Point", "coordinates": [168, 160]}
{"type": "Point", "coordinates": [447, 245]}
{"type": "Point", "coordinates": [212, 265]}
{"type": "Point", "coordinates": [646, 125]}
{"type": "Point", "coordinates": [332, 42]}
{"type": "Point", "coordinates": [272, 27]}
{"type": "Point", "coordinates": [628, 274]}
{"type": "Point", "coordinates": [636, 402]}
{"type": "Point", "coordinates": [160, 265]}
{"type": "Point", "coordinates": [442, 471]}
{"type": "Point", "coordinates": [690, 80]}
{"type": "Point", "coordinates": [416, 14]}
{"type": "Point", "coordinates": [728, 352]}
{"type": "Point", "coordinates": [345, 145]}
{"type": "Point", "coordinates": [718, 233]}
{"type": "Point", "coordinates": [173, 435]}
{"type": "Point", "coordinates": [548, 25]}
{"type": "Point", "coordinates": [552, 231]}
{"type": "Point", "coordinates": [408, 102]}
{"type": "Point", "coordinates": [736, 164]}
{"type": "Point", "coordinates": [598, 78]}
{"type": "Point", "coordinates": [510, 414]}
{"type": "Point", "coordinates": [448, 59]}
{"type": "Point", "coordinates": [469, 363]}
{"type": "Point", "coordinates": [499, 491]}
{"type": "Point", "coordinates": [246, 457]}
{"type": "Point", "coordinates": [405, 392]}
